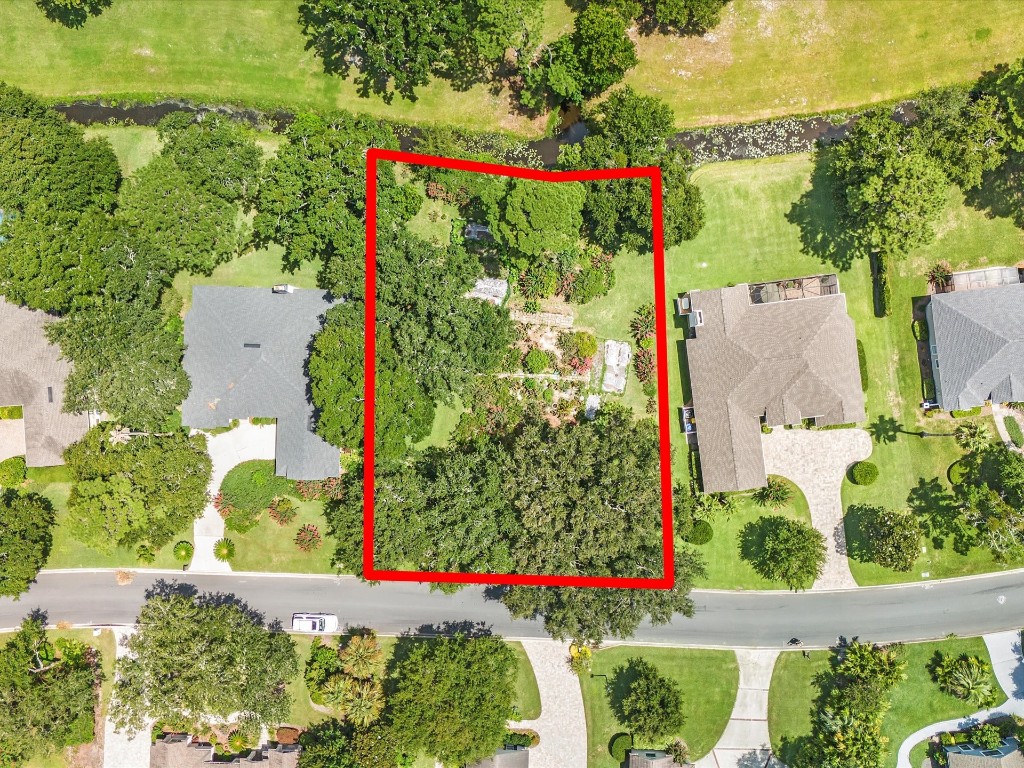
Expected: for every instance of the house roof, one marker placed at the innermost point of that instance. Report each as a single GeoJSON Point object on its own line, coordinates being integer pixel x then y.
{"type": "Point", "coordinates": [509, 757]}
{"type": "Point", "coordinates": [179, 751]}
{"type": "Point", "coordinates": [784, 361]}
{"type": "Point", "coordinates": [977, 338]}
{"type": "Point", "coordinates": [32, 375]}
{"type": "Point", "coordinates": [650, 758]}
{"type": "Point", "coordinates": [245, 352]}
{"type": "Point", "coordinates": [967, 755]}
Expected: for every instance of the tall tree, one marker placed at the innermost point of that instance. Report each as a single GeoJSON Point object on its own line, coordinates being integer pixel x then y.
{"type": "Point", "coordinates": [398, 46]}
{"type": "Point", "coordinates": [646, 702]}
{"type": "Point", "coordinates": [72, 13]}
{"type": "Point", "coordinates": [1007, 84]}
{"type": "Point", "coordinates": [537, 217]}
{"type": "Point", "coordinates": [963, 133]}
{"type": "Point", "coordinates": [144, 491]}
{"type": "Point", "coordinates": [632, 130]}
{"type": "Point", "coordinates": [311, 197]}
{"type": "Point", "coordinates": [784, 550]}
{"type": "Point", "coordinates": [127, 362]}
{"type": "Point", "coordinates": [893, 536]}
{"type": "Point", "coordinates": [48, 692]}
{"type": "Point", "coordinates": [890, 190]}
{"type": "Point", "coordinates": [196, 660]}
{"type": "Point", "coordinates": [24, 539]}
{"type": "Point", "coordinates": [453, 697]}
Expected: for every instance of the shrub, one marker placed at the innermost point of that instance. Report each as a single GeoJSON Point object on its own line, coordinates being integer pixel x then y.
{"type": "Point", "coordinates": [588, 285]}
{"type": "Point", "coordinates": [975, 411]}
{"type": "Point", "coordinates": [12, 472]}
{"type": "Point", "coordinates": [965, 677]}
{"type": "Point", "coordinates": [775, 494]}
{"type": "Point", "coordinates": [619, 745]}
{"type": "Point", "coordinates": [680, 751]}
{"type": "Point", "coordinates": [11, 412]}
{"type": "Point", "coordinates": [643, 364]}
{"type": "Point", "coordinates": [320, 490]}
{"type": "Point", "coordinates": [145, 553]}
{"type": "Point", "coordinates": [862, 362]}
{"type": "Point", "coordinates": [580, 659]}
{"type": "Point", "coordinates": [929, 392]}
{"type": "Point", "coordinates": [765, 429]}
{"type": "Point", "coordinates": [539, 281]}
{"type": "Point", "coordinates": [940, 274]}
{"type": "Point", "coordinates": [183, 551]}
{"type": "Point", "coordinates": [224, 550]}
{"type": "Point", "coordinates": [262, 420]}
{"type": "Point", "coordinates": [237, 741]}
{"type": "Point", "coordinates": [1014, 431]}
{"type": "Point", "coordinates": [986, 736]}
{"type": "Point", "coordinates": [249, 489]}
{"type": "Point", "coordinates": [642, 325]}
{"type": "Point", "coordinates": [920, 329]}
{"type": "Point", "coordinates": [283, 510]}
{"type": "Point", "coordinates": [864, 473]}
{"type": "Point", "coordinates": [531, 306]}
{"type": "Point", "coordinates": [308, 538]}
{"type": "Point", "coordinates": [702, 533]}
{"type": "Point", "coordinates": [535, 361]}
{"type": "Point", "coordinates": [883, 286]}
{"type": "Point", "coordinates": [578, 344]}
{"type": "Point", "coordinates": [518, 739]}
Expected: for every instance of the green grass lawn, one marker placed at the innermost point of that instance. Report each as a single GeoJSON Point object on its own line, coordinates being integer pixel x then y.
{"type": "Point", "coordinates": [254, 269]}
{"type": "Point", "coordinates": [271, 547]}
{"type": "Point", "coordinates": [104, 642]}
{"type": "Point", "coordinates": [709, 681]}
{"type": "Point", "coordinates": [304, 713]}
{"type": "Point", "coordinates": [770, 59]}
{"type": "Point", "coordinates": [916, 702]}
{"type": "Point", "coordinates": [753, 232]}
{"type": "Point", "coordinates": [763, 60]}
{"type": "Point", "coordinates": [726, 570]}
{"type": "Point", "coordinates": [215, 51]}
{"type": "Point", "coordinates": [446, 419]}
{"type": "Point", "coordinates": [134, 145]}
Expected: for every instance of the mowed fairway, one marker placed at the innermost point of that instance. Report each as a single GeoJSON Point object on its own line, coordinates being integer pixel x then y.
{"type": "Point", "coordinates": [767, 58]}
{"type": "Point", "coordinates": [771, 58]}
{"type": "Point", "coordinates": [228, 51]}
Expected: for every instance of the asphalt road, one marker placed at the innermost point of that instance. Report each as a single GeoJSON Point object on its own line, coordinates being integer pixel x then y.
{"type": "Point", "coordinates": [968, 606]}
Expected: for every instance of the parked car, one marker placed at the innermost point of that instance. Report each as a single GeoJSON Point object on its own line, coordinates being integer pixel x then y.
{"type": "Point", "coordinates": [314, 622]}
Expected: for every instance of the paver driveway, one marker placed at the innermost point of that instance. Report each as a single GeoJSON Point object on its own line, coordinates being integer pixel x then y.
{"type": "Point", "coordinates": [816, 460]}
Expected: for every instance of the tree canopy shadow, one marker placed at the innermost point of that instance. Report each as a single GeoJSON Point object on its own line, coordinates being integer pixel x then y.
{"type": "Point", "coordinates": [618, 686]}
{"type": "Point", "coordinates": [815, 213]}
{"type": "Point", "coordinates": [885, 429]}
{"type": "Point", "coordinates": [940, 516]}
{"type": "Point", "coordinates": [1001, 194]}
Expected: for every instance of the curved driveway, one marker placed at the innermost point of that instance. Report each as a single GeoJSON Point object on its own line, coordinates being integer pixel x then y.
{"type": "Point", "coordinates": [969, 606]}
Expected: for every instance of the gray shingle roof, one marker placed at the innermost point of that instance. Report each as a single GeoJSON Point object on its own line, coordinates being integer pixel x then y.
{"type": "Point", "coordinates": [509, 757]}
{"type": "Point", "coordinates": [32, 375]}
{"type": "Point", "coordinates": [977, 338]}
{"type": "Point", "coordinates": [246, 351]}
{"type": "Point", "coordinates": [650, 758]}
{"type": "Point", "coordinates": [786, 360]}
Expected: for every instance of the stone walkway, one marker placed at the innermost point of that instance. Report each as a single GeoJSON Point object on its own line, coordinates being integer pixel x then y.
{"type": "Point", "coordinates": [243, 443]}
{"type": "Point", "coordinates": [562, 726]}
{"type": "Point", "coordinates": [119, 749]}
{"type": "Point", "coordinates": [817, 460]}
{"type": "Point", "coordinates": [745, 743]}
{"type": "Point", "coordinates": [1007, 664]}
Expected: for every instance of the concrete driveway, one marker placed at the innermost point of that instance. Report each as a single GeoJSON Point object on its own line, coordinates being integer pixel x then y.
{"type": "Point", "coordinates": [12, 438]}
{"type": "Point", "coordinates": [817, 460]}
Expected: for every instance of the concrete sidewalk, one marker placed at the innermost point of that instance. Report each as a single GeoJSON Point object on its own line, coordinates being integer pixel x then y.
{"type": "Point", "coordinates": [245, 442]}
{"type": "Point", "coordinates": [745, 743]}
{"type": "Point", "coordinates": [817, 460]}
{"type": "Point", "coordinates": [562, 725]}
{"type": "Point", "coordinates": [119, 749]}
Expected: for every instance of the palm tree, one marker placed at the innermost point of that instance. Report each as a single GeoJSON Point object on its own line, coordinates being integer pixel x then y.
{"type": "Point", "coordinates": [972, 436]}
{"type": "Point", "coordinates": [362, 657]}
{"type": "Point", "coordinates": [365, 703]}
{"type": "Point", "coordinates": [337, 691]}
{"type": "Point", "coordinates": [775, 494]}
{"type": "Point", "coordinates": [967, 678]}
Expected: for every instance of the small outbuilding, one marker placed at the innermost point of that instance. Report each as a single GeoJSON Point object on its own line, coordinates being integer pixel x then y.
{"type": "Point", "coordinates": [617, 355]}
{"type": "Point", "coordinates": [650, 758]}
{"type": "Point", "coordinates": [490, 289]}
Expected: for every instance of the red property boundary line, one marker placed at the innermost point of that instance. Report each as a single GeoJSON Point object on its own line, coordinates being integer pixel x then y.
{"type": "Point", "coordinates": [667, 579]}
